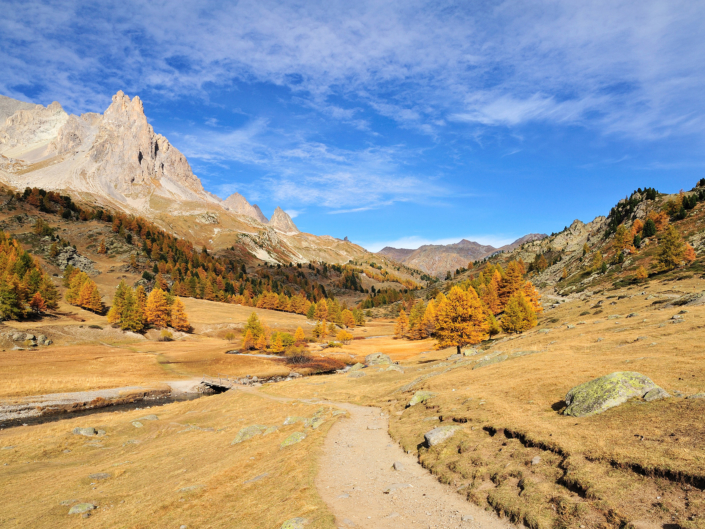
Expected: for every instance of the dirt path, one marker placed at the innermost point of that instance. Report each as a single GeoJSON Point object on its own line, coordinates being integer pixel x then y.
{"type": "Point", "coordinates": [357, 468]}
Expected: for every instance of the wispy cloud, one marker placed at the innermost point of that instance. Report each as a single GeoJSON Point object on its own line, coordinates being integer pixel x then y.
{"type": "Point", "coordinates": [624, 67]}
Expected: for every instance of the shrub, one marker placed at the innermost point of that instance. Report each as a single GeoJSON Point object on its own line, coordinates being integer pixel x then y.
{"type": "Point", "coordinates": [147, 276]}
{"type": "Point", "coordinates": [165, 336]}
{"type": "Point", "coordinates": [230, 336]}
{"type": "Point", "coordinates": [297, 355]}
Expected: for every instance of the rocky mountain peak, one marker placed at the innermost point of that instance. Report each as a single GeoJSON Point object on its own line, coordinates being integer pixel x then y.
{"type": "Point", "coordinates": [239, 205]}
{"type": "Point", "coordinates": [282, 221]}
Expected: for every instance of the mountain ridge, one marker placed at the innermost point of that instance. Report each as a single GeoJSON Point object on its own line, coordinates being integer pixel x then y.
{"type": "Point", "coordinates": [117, 160]}
{"type": "Point", "coordinates": [438, 259]}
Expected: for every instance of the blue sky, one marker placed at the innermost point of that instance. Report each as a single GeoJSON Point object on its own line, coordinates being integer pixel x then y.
{"type": "Point", "coordinates": [396, 123]}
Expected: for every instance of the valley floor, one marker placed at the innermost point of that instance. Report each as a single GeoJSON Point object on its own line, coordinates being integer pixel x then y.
{"type": "Point", "coordinates": [242, 460]}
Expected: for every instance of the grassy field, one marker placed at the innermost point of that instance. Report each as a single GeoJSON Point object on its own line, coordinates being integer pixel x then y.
{"type": "Point", "coordinates": [638, 465]}
{"type": "Point", "coordinates": [178, 470]}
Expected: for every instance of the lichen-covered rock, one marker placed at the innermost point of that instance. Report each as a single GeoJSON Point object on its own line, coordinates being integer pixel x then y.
{"type": "Point", "coordinates": [440, 434]}
{"type": "Point", "coordinates": [356, 367]}
{"type": "Point", "coordinates": [395, 368]}
{"type": "Point", "coordinates": [294, 523]}
{"type": "Point", "coordinates": [294, 438]}
{"type": "Point", "coordinates": [316, 422]}
{"type": "Point", "coordinates": [606, 392]}
{"type": "Point", "coordinates": [656, 394]}
{"type": "Point", "coordinates": [376, 359]}
{"type": "Point", "coordinates": [88, 432]}
{"type": "Point", "coordinates": [356, 374]}
{"type": "Point", "coordinates": [248, 433]}
{"type": "Point", "coordinates": [137, 424]}
{"type": "Point", "coordinates": [489, 361]}
{"type": "Point", "coordinates": [81, 508]}
{"type": "Point", "coordinates": [420, 397]}
{"type": "Point", "coordinates": [271, 429]}
{"type": "Point", "coordinates": [151, 417]}
{"type": "Point", "coordinates": [294, 420]}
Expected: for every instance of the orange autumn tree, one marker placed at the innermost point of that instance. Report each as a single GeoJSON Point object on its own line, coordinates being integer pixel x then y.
{"type": "Point", "coordinates": [491, 294]}
{"type": "Point", "coordinates": [512, 282]}
{"type": "Point", "coordinates": [157, 308]}
{"type": "Point", "coordinates": [299, 336]}
{"type": "Point", "coordinates": [37, 303]}
{"type": "Point", "coordinates": [179, 318]}
{"type": "Point", "coordinates": [461, 319]}
{"type": "Point", "coordinates": [532, 296]}
{"type": "Point", "coordinates": [402, 325]}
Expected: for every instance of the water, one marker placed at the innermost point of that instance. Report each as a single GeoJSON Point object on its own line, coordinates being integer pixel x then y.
{"type": "Point", "coordinates": [150, 402]}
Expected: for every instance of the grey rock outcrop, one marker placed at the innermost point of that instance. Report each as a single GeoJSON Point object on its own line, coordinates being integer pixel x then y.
{"type": "Point", "coordinates": [439, 435]}
{"type": "Point", "coordinates": [607, 392]}
{"type": "Point", "coordinates": [377, 359]}
{"type": "Point", "coordinates": [282, 221]}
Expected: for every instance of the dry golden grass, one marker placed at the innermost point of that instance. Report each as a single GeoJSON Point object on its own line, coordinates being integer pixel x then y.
{"type": "Point", "coordinates": [180, 469]}
{"type": "Point", "coordinates": [75, 368]}
{"type": "Point", "coordinates": [605, 454]}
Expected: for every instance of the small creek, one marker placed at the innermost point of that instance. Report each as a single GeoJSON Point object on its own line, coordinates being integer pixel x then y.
{"type": "Point", "coordinates": [142, 404]}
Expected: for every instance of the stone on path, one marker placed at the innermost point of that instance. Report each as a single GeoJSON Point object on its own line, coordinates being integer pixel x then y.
{"type": "Point", "coordinates": [606, 392]}
{"type": "Point", "coordinates": [82, 508]}
{"type": "Point", "coordinates": [397, 486]}
{"type": "Point", "coordinates": [137, 424]}
{"type": "Point", "coordinates": [440, 434]}
{"type": "Point", "coordinates": [398, 466]}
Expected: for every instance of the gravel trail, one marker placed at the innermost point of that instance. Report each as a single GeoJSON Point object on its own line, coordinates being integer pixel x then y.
{"type": "Point", "coordinates": [357, 468]}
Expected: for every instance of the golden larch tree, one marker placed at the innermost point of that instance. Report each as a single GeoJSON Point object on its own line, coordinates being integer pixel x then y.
{"type": "Point", "coordinates": [671, 249]}
{"type": "Point", "coordinates": [247, 341]}
{"type": "Point", "coordinates": [261, 342]}
{"type": "Point", "coordinates": [179, 318]}
{"type": "Point", "coordinates": [402, 325]}
{"type": "Point", "coordinates": [348, 318]}
{"type": "Point", "coordinates": [461, 319]}
{"type": "Point", "coordinates": [533, 297]}
{"type": "Point", "coordinates": [321, 313]}
{"type": "Point", "coordinates": [299, 336]}
{"type": "Point", "coordinates": [518, 315]}
{"type": "Point", "coordinates": [512, 281]}
{"type": "Point", "coordinates": [429, 319]}
{"type": "Point", "coordinates": [157, 308]}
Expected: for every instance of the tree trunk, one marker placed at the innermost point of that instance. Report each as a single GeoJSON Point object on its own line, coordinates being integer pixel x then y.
{"type": "Point", "coordinates": [458, 349]}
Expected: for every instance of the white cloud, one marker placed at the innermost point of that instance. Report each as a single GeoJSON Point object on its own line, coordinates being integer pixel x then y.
{"type": "Point", "coordinates": [293, 213]}
{"type": "Point", "coordinates": [624, 66]}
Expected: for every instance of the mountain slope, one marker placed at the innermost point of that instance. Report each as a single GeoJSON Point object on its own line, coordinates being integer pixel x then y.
{"type": "Point", "coordinates": [437, 259]}
{"type": "Point", "coordinates": [117, 160]}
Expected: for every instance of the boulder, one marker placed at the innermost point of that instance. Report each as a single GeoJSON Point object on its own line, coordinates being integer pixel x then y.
{"type": "Point", "coordinates": [454, 357]}
{"type": "Point", "coordinates": [656, 394]}
{"type": "Point", "coordinates": [81, 508]}
{"type": "Point", "coordinates": [294, 523]}
{"type": "Point", "coordinates": [377, 359]}
{"type": "Point", "coordinates": [440, 434]}
{"type": "Point", "coordinates": [149, 418]}
{"type": "Point", "coordinates": [137, 424]}
{"type": "Point", "coordinates": [489, 361]}
{"type": "Point", "coordinates": [88, 432]}
{"type": "Point", "coordinates": [420, 397]}
{"type": "Point", "coordinates": [356, 367]}
{"type": "Point", "coordinates": [395, 368]}
{"type": "Point", "coordinates": [606, 392]}
{"type": "Point", "coordinates": [294, 438]}
{"type": "Point", "coordinates": [248, 433]}
{"type": "Point", "coordinates": [294, 420]}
